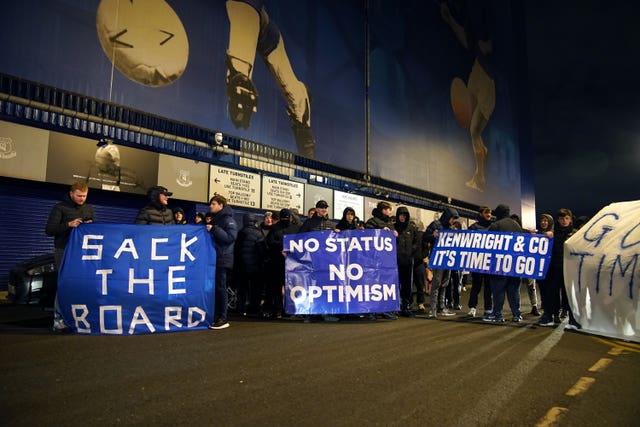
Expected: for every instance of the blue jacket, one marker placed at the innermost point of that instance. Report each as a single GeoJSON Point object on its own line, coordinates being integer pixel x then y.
{"type": "Point", "coordinates": [224, 233]}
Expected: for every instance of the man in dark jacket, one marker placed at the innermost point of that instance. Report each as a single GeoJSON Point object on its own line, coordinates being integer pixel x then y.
{"type": "Point", "coordinates": [381, 219]}
{"type": "Point", "coordinates": [440, 276]}
{"type": "Point", "coordinates": [320, 219]}
{"type": "Point", "coordinates": [250, 251]}
{"type": "Point", "coordinates": [156, 212]}
{"type": "Point", "coordinates": [64, 217]}
{"type": "Point", "coordinates": [504, 284]}
{"type": "Point", "coordinates": [480, 280]}
{"type": "Point", "coordinates": [224, 231]}
{"type": "Point", "coordinates": [275, 269]}
{"type": "Point", "coordinates": [406, 246]}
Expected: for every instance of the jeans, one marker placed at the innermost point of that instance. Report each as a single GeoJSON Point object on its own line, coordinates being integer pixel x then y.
{"type": "Point", "coordinates": [509, 285]}
{"type": "Point", "coordinates": [220, 309]}
{"type": "Point", "coordinates": [440, 280]}
{"type": "Point", "coordinates": [479, 280]}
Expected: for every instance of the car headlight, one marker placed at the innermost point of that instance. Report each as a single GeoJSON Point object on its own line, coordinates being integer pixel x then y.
{"type": "Point", "coordinates": [41, 269]}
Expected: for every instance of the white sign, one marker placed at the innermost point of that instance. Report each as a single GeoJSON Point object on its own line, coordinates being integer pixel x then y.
{"type": "Point", "coordinates": [281, 193]}
{"type": "Point", "coordinates": [239, 187]}
{"type": "Point", "coordinates": [602, 272]}
{"type": "Point", "coordinates": [342, 200]}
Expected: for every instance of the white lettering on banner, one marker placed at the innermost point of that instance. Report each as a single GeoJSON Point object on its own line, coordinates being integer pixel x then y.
{"type": "Point", "coordinates": [172, 317]}
{"type": "Point", "coordinates": [148, 280]}
{"type": "Point", "coordinates": [154, 245]}
{"type": "Point", "coordinates": [342, 244]}
{"type": "Point", "coordinates": [486, 241]}
{"type": "Point", "coordinates": [104, 273]}
{"type": "Point", "coordinates": [346, 293]}
{"type": "Point", "coordinates": [140, 318]}
{"type": "Point", "coordinates": [173, 280]}
{"type": "Point", "coordinates": [184, 244]}
{"type": "Point", "coordinates": [87, 247]}
{"type": "Point", "coordinates": [128, 245]}
{"type": "Point", "coordinates": [81, 318]}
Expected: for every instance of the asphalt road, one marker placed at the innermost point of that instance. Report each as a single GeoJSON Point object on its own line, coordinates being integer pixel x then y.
{"type": "Point", "coordinates": [451, 372]}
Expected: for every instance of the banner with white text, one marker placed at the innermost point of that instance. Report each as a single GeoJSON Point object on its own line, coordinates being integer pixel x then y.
{"type": "Point", "coordinates": [122, 279]}
{"type": "Point", "coordinates": [350, 272]}
{"type": "Point", "coordinates": [492, 252]}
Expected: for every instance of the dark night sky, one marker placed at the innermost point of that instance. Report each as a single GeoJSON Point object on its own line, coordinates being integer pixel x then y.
{"type": "Point", "coordinates": [584, 84]}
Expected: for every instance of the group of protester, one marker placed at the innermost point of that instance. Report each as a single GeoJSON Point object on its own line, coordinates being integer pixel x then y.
{"type": "Point", "coordinates": [252, 256]}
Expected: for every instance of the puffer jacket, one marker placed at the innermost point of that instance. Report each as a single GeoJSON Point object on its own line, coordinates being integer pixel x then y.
{"type": "Point", "coordinates": [250, 246]}
{"type": "Point", "coordinates": [224, 232]}
{"type": "Point", "coordinates": [406, 242]}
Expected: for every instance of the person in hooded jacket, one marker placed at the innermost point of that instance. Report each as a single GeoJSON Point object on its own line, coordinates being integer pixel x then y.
{"type": "Point", "coordinates": [501, 285]}
{"type": "Point", "coordinates": [481, 280]}
{"type": "Point", "coordinates": [273, 303]}
{"type": "Point", "coordinates": [178, 216]}
{"type": "Point", "coordinates": [406, 246]}
{"type": "Point", "coordinates": [224, 231]}
{"type": "Point", "coordinates": [157, 211]}
{"type": "Point", "coordinates": [381, 219]}
{"type": "Point", "coordinates": [250, 250]}
{"type": "Point", "coordinates": [349, 220]}
{"type": "Point", "coordinates": [552, 287]}
{"type": "Point", "coordinates": [440, 276]}
{"type": "Point", "coordinates": [529, 282]}
{"type": "Point", "coordinates": [419, 266]}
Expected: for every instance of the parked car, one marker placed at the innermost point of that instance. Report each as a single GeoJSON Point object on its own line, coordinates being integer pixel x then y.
{"type": "Point", "coordinates": [34, 281]}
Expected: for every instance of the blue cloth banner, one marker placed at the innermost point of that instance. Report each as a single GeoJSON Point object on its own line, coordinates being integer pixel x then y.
{"type": "Point", "coordinates": [349, 272]}
{"type": "Point", "coordinates": [492, 252]}
{"type": "Point", "coordinates": [136, 279]}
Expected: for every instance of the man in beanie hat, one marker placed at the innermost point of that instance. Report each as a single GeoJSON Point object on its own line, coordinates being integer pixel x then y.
{"type": "Point", "coordinates": [156, 211]}
{"type": "Point", "coordinates": [504, 284]}
{"type": "Point", "coordinates": [381, 219]}
{"type": "Point", "coordinates": [320, 219]}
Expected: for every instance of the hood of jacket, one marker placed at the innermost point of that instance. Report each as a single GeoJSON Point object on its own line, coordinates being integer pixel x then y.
{"type": "Point", "coordinates": [447, 214]}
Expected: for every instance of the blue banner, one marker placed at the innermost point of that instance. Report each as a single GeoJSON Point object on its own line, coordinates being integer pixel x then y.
{"type": "Point", "coordinates": [136, 279]}
{"type": "Point", "coordinates": [348, 272]}
{"type": "Point", "coordinates": [492, 252]}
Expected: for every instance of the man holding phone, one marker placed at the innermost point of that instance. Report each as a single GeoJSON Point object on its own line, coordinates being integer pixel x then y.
{"type": "Point", "coordinates": [64, 217]}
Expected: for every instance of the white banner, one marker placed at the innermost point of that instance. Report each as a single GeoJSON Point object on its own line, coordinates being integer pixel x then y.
{"type": "Point", "coordinates": [602, 272]}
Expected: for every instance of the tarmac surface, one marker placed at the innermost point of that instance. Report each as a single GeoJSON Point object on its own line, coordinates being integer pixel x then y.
{"type": "Point", "coordinates": [455, 371]}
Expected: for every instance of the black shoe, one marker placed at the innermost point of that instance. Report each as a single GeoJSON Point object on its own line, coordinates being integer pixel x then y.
{"type": "Point", "coordinates": [220, 324]}
{"type": "Point", "coordinates": [407, 313]}
{"type": "Point", "coordinates": [535, 312]}
{"type": "Point", "coordinates": [389, 316]}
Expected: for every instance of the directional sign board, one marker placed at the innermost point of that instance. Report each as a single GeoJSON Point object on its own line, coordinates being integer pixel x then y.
{"type": "Point", "coordinates": [239, 187]}
{"type": "Point", "coordinates": [281, 193]}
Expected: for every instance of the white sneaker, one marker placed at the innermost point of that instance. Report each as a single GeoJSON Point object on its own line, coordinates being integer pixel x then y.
{"type": "Point", "coordinates": [472, 312]}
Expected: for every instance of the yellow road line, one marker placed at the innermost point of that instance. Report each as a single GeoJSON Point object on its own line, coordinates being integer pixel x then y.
{"type": "Point", "coordinates": [552, 417]}
{"type": "Point", "coordinates": [621, 345]}
{"type": "Point", "coordinates": [581, 386]}
{"type": "Point", "coordinates": [600, 364]}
